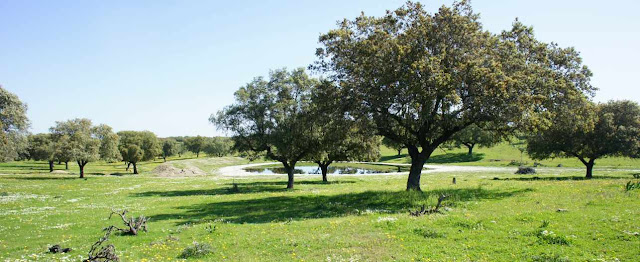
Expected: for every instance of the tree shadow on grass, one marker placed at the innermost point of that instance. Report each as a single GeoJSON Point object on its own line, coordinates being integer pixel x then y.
{"type": "Point", "coordinates": [560, 178]}
{"type": "Point", "coordinates": [282, 208]}
{"type": "Point", "coordinates": [40, 177]}
{"type": "Point", "coordinates": [455, 158]}
{"type": "Point", "coordinates": [243, 188]}
{"type": "Point", "coordinates": [388, 158]}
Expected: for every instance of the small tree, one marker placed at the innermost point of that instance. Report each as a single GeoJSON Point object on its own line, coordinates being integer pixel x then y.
{"type": "Point", "coordinates": [109, 145]}
{"type": "Point", "coordinates": [13, 126]}
{"type": "Point", "coordinates": [340, 137]}
{"type": "Point", "coordinates": [195, 144]}
{"type": "Point", "coordinates": [218, 146]}
{"type": "Point", "coordinates": [136, 146]}
{"type": "Point", "coordinates": [63, 149]}
{"type": "Point", "coordinates": [272, 116]}
{"type": "Point", "coordinates": [393, 145]}
{"type": "Point", "coordinates": [42, 148]}
{"type": "Point", "coordinates": [474, 135]}
{"type": "Point", "coordinates": [169, 148]}
{"type": "Point", "coordinates": [588, 132]}
{"type": "Point", "coordinates": [84, 141]}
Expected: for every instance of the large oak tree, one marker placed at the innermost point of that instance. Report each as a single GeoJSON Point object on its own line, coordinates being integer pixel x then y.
{"type": "Point", "coordinates": [136, 146]}
{"type": "Point", "coordinates": [271, 116]}
{"type": "Point", "coordinates": [422, 77]}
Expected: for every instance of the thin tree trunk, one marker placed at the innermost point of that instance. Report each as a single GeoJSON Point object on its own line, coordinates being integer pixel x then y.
{"type": "Point", "coordinates": [324, 169]}
{"type": "Point", "coordinates": [81, 165]}
{"type": "Point", "coordinates": [66, 165]}
{"type": "Point", "coordinates": [470, 153]}
{"type": "Point", "coordinates": [400, 152]}
{"type": "Point", "coordinates": [590, 168]}
{"type": "Point", "coordinates": [135, 168]}
{"type": "Point", "coordinates": [50, 165]}
{"type": "Point", "coordinates": [197, 154]}
{"type": "Point", "coordinates": [165, 158]}
{"type": "Point", "coordinates": [290, 177]}
{"type": "Point", "coordinates": [128, 165]}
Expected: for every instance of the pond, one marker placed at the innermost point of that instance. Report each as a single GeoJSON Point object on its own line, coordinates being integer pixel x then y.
{"type": "Point", "coordinates": [333, 170]}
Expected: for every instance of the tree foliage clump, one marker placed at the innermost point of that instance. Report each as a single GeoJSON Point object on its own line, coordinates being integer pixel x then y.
{"type": "Point", "coordinates": [218, 146]}
{"type": "Point", "coordinates": [13, 126]}
{"type": "Point", "coordinates": [42, 148]}
{"type": "Point", "coordinates": [136, 146]}
{"type": "Point", "coordinates": [474, 135]}
{"type": "Point", "coordinates": [271, 116]}
{"type": "Point", "coordinates": [339, 136]}
{"type": "Point", "coordinates": [422, 77]}
{"type": "Point", "coordinates": [170, 147]}
{"type": "Point", "coordinates": [84, 141]}
{"type": "Point", "coordinates": [195, 144]}
{"type": "Point", "coordinates": [589, 131]}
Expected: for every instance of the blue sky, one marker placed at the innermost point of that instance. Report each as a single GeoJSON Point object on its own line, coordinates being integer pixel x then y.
{"type": "Point", "coordinates": [165, 66]}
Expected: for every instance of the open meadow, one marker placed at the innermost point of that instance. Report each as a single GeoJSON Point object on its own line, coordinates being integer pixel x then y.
{"type": "Point", "coordinates": [554, 215]}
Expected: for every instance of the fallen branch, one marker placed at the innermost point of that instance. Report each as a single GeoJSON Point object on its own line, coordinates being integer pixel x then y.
{"type": "Point", "coordinates": [100, 253]}
{"type": "Point", "coordinates": [431, 210]}
{"type": "Point", "coordinates": [133, 224]}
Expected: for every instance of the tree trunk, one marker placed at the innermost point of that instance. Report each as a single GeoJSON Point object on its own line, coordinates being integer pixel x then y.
{"type": "Point", "coordinates": [81, 165]}
{"type": "Point", "coordinates": [50, 165]}
{"type": "Point", "coordinates": [324, 169]}
{"type": "Point", "coordinates": [66, 165]}
{"type": "Point", "coordinates": [197, 154]}
{"type": "Point", "coordinates": [165, 158]}
{"type": "Point", "coordinates": [417, 162]}
{"type": "Point", "coordinates": [400, 152]}
{"type": "Point", "coordinates": [290, 170]}
{"type": "Point", "coordinates": [470, 153]}
{"type": "Point", "coordinates": [135, 168]}
{"type": "Point", "coordinates": [128, 165]}
{"type": "Point", "coordinates": [590, 168]}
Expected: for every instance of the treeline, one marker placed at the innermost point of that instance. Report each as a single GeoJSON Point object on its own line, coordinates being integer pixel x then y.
{"type": "Point", "coordinates": [80, 141]}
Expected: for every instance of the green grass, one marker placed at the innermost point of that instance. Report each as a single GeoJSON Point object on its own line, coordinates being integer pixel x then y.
{"type": "Point", "coordinates": [502, 155]}
{"type": "Point", "coordinates": [351, 218]}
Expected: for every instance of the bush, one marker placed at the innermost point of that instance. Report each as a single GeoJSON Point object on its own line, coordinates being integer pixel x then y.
{"type": "Point", "coordinates": [548, 237]}
{"type": "Point", "coordinates": [632, 185]}
{"type": "Point", "coordinates": [197, 250]}
{"type": "Point", "coordinates": [428, 233]}
{"type": "Point", "coordinates": [524, 170]}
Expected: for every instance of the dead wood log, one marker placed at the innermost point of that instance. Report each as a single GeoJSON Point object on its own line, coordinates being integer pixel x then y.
{"type": "Point", "coordinates": [431, 210]}
{"type": "Point", "coordinates": [133, 224]}
{"type": "Point", "coordinates": [101, 253]}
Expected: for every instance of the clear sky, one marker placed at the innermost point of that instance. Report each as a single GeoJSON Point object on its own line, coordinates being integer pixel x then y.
{"type": "Point", "coordinates": [165, 66]}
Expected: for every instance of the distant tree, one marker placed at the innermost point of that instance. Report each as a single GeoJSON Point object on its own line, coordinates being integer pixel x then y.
{"type": "Point", "coordinates": [589, 132]}
{"type": "Point", "coordinates": [64, 150]}
{"type": "Point", "coordinates": [109, 146]}
{"type": "Point", "coordinates": [42, 148]}
{"type": "Point", "coordinates": [137, 146]}
{"type": "Point", "coordinates": [195, 144]}
{"type": "Point", "coordinates": [218, 146]}
{"type": "Point", "coordinates": [272, 117]}
{"type": "Point", "coordinates": [83, 141]}
{"type": "Point", "coordinates": [423, 77]}
{"type": "Point", "coordinates": [13, 126]}
{"type": "Point", "coordinates": [393, 145]}
{"type": "Point", "coordinates": [181, 149]}
{"type": "Point", "coordinates": [340, 137]}
{"type": "Point", "coordinates": [169, 148]}
{"type": "Point", "coordinates": [474, 135]}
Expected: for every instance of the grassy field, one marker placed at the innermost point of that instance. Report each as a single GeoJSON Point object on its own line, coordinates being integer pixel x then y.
{"type": "Point", "coordinates": [350, 219]}
{"type": "Point", "coordinates": [502, 155]}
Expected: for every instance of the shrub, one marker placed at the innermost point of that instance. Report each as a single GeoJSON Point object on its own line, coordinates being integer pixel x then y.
{"type": "Point", "coordinates": [548, 237]}
{"type": "Point", "coordinates": [428, 233]}
{"type": "Point", "coordinates": [525, 170]}
{"type": "Point", "coordinates": [196, 250]}
{"type": "Point", "coordinates": [632, 185]}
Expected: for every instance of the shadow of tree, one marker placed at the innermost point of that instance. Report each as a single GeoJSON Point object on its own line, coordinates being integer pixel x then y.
{"type": "Point", "coordinates": [243, 188]}
{"type": "Point", "coordinates": [387, 158]}
{"type": "Point", "coordinates": [455, 158]}
{"type": "Point", "coordinates": [560, 178]}
{"type": "Point", "coordinates": [281, 208]}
